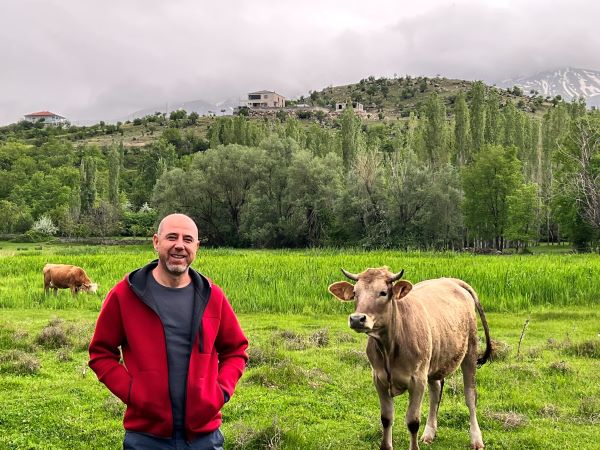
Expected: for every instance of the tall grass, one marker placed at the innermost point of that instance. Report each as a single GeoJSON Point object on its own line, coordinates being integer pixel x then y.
{"type": "Point", "coordinates": [287, 281]}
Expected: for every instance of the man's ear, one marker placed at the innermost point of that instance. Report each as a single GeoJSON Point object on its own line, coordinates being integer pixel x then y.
{"type": "Point", "coordinates": [342, 290]}
{"type": "Point", "coordinates": [401, 288]}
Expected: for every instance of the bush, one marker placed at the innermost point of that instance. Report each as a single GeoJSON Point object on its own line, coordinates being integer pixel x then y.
{"type": "Point", "coordinates": [19, 363]}
{"type": "Point", "coordinates": [53, 337]}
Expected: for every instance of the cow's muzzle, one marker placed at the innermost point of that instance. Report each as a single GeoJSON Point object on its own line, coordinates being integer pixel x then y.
{"type": "Point", "coordinates": [357, 321]}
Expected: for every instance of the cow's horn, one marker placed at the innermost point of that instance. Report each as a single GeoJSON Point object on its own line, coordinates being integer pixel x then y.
{"type": "Point", "coordinates": [397, 276]}
{"type": "Point", "coordinates": [350, 275]}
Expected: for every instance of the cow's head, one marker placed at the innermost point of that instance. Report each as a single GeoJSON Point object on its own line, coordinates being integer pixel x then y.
{"type": "Point", "coordinates": [374, 293]}
{"type": "Point", "coordinates": [91, 288]}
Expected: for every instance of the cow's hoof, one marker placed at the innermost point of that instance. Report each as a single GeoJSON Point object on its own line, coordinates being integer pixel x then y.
{"type": "Point", "coordinates": [385, 447]}
{"type": "Point", "coordinates": [477, 445]}
{"type": "Point", "coordinates": [427, 439]}
{"type": "Point", "coordinates": [428, 435]}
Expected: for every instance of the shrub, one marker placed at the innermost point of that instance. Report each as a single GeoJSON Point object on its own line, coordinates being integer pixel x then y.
{"type": "Point", "coordinates": [64, 355]}
{"type": "Point", "coordinates": [355, 358]}
{"type": "Point", "coordinates": [509, 419]}
{"type": "Point", "coordinates": [19, 363]}
{"type": "Point", "coordinates": [52, 337]}
{"type": "Point", "coordinates": [560, 367]}
{"type": "Point", "coordinates": [271, 437]}
{"type": "Point", "coordinates": [44, 226]}
{"type": "Point", "coordinates": [587, 349]}
{"type": "Point", "coordinates": [500, 351]}
{"type": "Point", "coordinates": [280, 375]}
{"type": "Point", "coordinates": [320, 338]}
{"type": "Point", "coordinates": [261, 356]}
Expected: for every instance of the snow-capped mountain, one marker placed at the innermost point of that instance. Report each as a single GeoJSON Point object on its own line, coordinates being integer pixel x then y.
{"type": "Point", "coordinates": [566, 82]}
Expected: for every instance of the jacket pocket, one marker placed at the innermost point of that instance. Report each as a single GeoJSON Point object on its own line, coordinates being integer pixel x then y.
{"type": "Point", "coordinates": [205, 400]}
{"type": "Point", "coordinates": [145, 394]}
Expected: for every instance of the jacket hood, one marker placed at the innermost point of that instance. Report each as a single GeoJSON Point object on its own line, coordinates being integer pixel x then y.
{"type": "Point", "coordinates": [138, 282]}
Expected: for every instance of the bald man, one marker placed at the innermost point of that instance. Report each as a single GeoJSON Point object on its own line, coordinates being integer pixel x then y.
{"type": "Point", "coordinates": [182, 345]}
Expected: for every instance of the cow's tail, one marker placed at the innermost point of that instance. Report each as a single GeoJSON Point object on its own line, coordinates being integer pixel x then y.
{"type": "Point", "coordinates": [488, 341]}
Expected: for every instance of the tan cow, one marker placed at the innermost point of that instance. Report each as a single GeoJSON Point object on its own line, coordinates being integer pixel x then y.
{"type": "Point", "coordinates": [64, 276]}
{"type": "Point", "coordinates": [417, 335]}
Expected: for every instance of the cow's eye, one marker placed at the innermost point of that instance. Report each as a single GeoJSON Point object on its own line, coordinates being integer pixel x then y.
{"type": "Point", "coordinates": [383, 294]}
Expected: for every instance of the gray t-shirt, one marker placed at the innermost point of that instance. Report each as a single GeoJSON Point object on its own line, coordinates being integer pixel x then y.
{"type": "Point", "coordinates": [176, 309]}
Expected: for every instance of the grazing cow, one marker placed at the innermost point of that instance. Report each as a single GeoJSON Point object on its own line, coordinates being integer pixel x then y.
{"type": "Point", "coordinates": [418, 335]}
{"type": "Point", "coordinates": [64, 276]}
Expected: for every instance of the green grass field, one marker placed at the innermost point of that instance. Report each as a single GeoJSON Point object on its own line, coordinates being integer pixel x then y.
{"type": "Point", "coordinates": [308, 385]}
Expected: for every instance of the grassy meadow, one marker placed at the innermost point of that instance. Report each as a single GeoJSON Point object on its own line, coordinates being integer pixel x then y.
{"type": "Point", "coordinates": [308, 384]}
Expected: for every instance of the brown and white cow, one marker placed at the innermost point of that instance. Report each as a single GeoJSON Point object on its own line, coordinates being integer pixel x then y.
{"type": "Point", "coordinates": [418, 335]}
{"type": "Point", "coordinates": [65, 276]}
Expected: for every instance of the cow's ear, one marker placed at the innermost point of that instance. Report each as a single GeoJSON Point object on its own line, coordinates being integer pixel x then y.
{"type": "Point", "coordinates": [342, 290]}
{"type": "Point", "coordinates": [401, 288]}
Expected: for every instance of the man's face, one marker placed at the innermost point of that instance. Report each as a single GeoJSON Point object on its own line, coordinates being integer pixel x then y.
{"type": "Point", "coordinates": [176, 244]}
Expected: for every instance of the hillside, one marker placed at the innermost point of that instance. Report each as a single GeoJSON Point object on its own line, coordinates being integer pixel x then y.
{"type": "Point", "coordinates": [398, 97]}
{"type": "Point", "coordinates": [383, 99]}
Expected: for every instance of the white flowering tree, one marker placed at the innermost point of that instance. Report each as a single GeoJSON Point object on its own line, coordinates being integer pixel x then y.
{"type": "Point", "coordinates": [44, 226]}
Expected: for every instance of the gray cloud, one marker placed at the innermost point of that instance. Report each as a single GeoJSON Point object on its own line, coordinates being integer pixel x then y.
{"type": "Point", "coordinates": [103, 60]}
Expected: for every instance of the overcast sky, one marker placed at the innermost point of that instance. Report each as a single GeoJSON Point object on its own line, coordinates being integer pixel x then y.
{"type": "Point", "coordinates": [93, 60]}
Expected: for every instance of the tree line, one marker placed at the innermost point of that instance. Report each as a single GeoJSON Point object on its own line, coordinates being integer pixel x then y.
{"type": "Point", "coordinates": [475, 171]}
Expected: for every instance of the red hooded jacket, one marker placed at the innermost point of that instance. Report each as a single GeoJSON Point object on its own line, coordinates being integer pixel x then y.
{"type": "Point", "coordinates": [218, 358]}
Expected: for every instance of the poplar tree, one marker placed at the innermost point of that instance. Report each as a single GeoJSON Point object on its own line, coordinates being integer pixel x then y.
{"type": "Point", "coordinates": [114, 168]}
{"type": "Point", "coordinates": [477, 114]}
{"type": "Point", "coordinates": [435, 136]}
{"type": "Point", "coordinates": [350, 136]}
{"type": "Point", "coordinates": [462, 132]}
{"type": "Point", "coordinates": [493, 119]}
{"type": "Point", "coordinates": [87, 177]}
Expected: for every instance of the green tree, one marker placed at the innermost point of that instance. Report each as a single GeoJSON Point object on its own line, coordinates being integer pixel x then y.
{"type": "Point", "coordinates": [523, 215]}
{"type": "Point", "coordinates": [462, 130]}
{"type": "Point", "coordinates": [351, 136]}
{"type": "Point", "coordinates": [494, 175]}
{"type": "Point", "coordinates": [87, 183]}
{"type": "Point", "coordinates": [114, 168]}
{"type": "Point", "coordinates": [477, 95]}
{"type": "Point", "coordinates": [314, 182]}
{"type": "Point", "coordinates": [435, 130]}
{"type": "Point", "coordinates": [493, 119]}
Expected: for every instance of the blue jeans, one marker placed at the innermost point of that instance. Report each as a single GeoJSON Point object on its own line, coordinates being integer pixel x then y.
{"type": "Point", "coordinates": [141, 441]}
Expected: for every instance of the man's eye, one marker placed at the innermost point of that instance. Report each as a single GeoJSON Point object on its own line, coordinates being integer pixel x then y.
{"type": "Point", "coordinates": [383, 294]}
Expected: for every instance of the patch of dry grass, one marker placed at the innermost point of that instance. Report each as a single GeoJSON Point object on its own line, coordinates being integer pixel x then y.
{"type": "Point", "coordinates": [509, 419]}
{"type": "Point", "coordinates": [500, 350]}
{"type": "Point", "coordinates": [561, 367]}
{"type": "Point", "coordinates": [19, 362]}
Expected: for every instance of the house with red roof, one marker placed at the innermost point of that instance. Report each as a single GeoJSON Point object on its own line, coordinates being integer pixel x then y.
{"type": "Point", "coordinates": [46, 117]}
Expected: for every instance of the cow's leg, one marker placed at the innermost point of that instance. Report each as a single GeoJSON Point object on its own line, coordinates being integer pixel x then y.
{"type": "Point", "coordinates": [413, 414]}
{"type": "Point", "coordinates": [386, 403]}
{"type": "Point", "coordinates": [435, 397]}
{"type": "Point", "coordinates": [468, 366]}
{"type": "Point", "coordinates": [55, 291]}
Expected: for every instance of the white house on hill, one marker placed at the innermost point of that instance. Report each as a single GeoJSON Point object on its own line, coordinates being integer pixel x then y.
{"type": "Point", "coordinates": [46, 117]}
{"type": "Point", "coordinates": [265, 99]}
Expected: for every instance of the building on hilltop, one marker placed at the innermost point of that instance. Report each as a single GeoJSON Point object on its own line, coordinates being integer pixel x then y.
{"type": "Point", "coordinates": [265, 99]}
{"type": "Point", "coordinates": [340, 106]}
{"type": "Point", "coordinates": [46, 117]}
